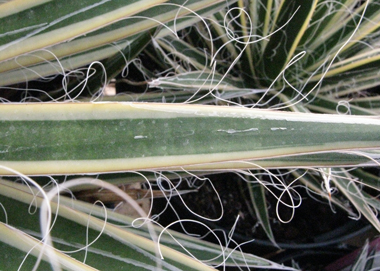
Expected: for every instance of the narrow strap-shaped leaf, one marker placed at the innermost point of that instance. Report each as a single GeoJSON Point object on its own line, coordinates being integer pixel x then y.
{"type": "Point", "coordinates": [258, 199]}
{"type": "Point", "coordinates": [26, 243]}
{"type": "Point", "coordinates": [311, 182]}
{"type": "Point", "coordinates": [282, 44]}
{"type": "Point", "coordinates": [200, 81]}
{"type": "Point", "coordinates": [123, 238]}
{"type": "Point", "coordinates": [361, 259]}
{"type": "Point", "coordinates": [74, 19]}
{"type": "Point", "coordinates": [124, 252]}
{"type": "Point", "coordinates": [322, 104]}
{"type": "Point", "coordinates": [8, 8]}
{"type": "Point", "coordinates": [115, 64]}
{"type": "Point", "coordinates": [353, 192]}
{"type": "Point", "coordinates": [74, 31]}
{"type": "Point", "coordinates": [103, 137]}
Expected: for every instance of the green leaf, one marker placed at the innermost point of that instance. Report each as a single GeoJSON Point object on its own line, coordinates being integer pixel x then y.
{"type": "Point", "coordinates": [117, 243]}
{"type": "Point", "coordinates": [258, 199]}
{"type": "Point", "coordinates": [106, 137]}
{"type": "Point", "coordinates": [54, 37]}
{"type": "Point", "coordinates": [361, 260]}
{"type": "Point", "coordinates": [292, 23]}
{"type": "Point", "coordinates": [354, 193]}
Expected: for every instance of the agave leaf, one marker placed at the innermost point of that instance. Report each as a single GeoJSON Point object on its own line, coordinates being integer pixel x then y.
{"type": "Point", "coordinates": [184, 51]}
{"type": "Point", "coordinates": [311, 182]}
{"type": "Point", "coordinates": [115, 239]}
{"type": "Point", "coordinates": [371, 257]}
{"type": "Point", "coordinates": [341, 26]}
{"type": "Point", "coordinates": [201, 81]}
{"type": "Point", "coordinates": [353, 192]}
{"type": "Point", "coordinates": [339, 43]}
{"type": "Point", "coordinates": [120, 244]}
{"type": "Point", "coordinates": [288, 37]}
{"type": "Point", "coordinates": [361, 259]}
{"type": "Point", "coordinates": [351, 66]}
{"type": "Point", "coordinates": [366, 178]}
{"type": "Point", "coordinates": [59, 22]}
{"type": "Point", "coordinates": [367, 102]}
{"type": "Point", "coordinates": [114, 65]}
{"type": "Point", "coordinates": [61, 66]}
{"type": "Point", "coordinates": [114, 21]}
{"type": "Point", "coordinates": [298, 161]}
{"type": "Point", "coordinates": [349, 84]}
{"type": "Point", "coordinates": [106, 137]}
{"type": "Point", "coordinates": [17, 243]}
{"type": "Point", "coordinates": [324, 21]}
{"type": "Point", "coordinates": [329, 105]}
{"type": "Point", "coordinates": [101, 73]}
{"type": "Point", "coordinates": [258, 199]}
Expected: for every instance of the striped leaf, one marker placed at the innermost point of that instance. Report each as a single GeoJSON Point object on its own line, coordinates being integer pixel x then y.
{"type": "Point", "coordinates": [120, 245]}
{"type": "Point", "coordinates": [107, 137]}
{"type": "Point", "coordinates": [44, 38]}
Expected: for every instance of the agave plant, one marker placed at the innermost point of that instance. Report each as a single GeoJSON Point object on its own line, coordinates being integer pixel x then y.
{"type": "Point", "coordinates": [318, 57]}
{"type": "Point", "coordinates": [309, 57]}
